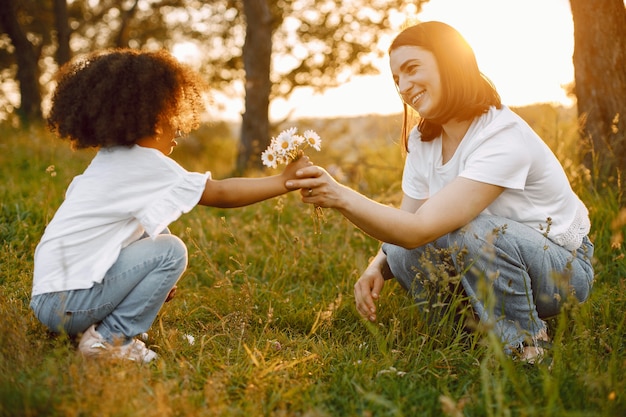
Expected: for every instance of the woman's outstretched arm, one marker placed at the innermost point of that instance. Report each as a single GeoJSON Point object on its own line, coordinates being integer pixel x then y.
{"type": "Point", "coordinates": [451, 208]}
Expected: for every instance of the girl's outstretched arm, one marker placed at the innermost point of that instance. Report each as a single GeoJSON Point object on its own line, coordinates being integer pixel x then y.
{"type": "Point", "coordinates": [239, 192]}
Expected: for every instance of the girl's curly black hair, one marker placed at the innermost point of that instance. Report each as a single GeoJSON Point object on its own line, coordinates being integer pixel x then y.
{"type": "Point", "coordinates": [118, 96]}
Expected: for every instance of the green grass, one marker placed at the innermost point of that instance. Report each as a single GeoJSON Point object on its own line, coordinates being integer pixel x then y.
{"type": "Point", "coordinates": [270, 306]}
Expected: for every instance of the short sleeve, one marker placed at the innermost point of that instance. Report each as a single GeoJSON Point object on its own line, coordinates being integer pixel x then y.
{"type": "Point", "coordinates": [503, 159]}
{"type": "Point", "coordinates": [181, 196]}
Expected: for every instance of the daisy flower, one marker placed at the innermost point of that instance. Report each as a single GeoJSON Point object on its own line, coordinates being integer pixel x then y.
{"type": "Point", "coordinates": [311, 138]}
{"type": "Point", "coordinates": [269, 158]}
{"type": "Point", "coordinates": [284, 143]}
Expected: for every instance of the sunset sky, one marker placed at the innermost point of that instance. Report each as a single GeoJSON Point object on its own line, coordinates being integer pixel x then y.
{"type": "Point", "coordinates": [524, 47]}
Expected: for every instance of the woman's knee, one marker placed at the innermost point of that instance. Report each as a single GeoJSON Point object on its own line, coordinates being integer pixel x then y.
{"type": "Point", "coordinates": [397, 261]}
{"type": "Point", "coordinates": [400, 259]}
{"type": "Point", "coordinates": [392, 252]}
{"type": "Point", "coordinates": [483, 228]}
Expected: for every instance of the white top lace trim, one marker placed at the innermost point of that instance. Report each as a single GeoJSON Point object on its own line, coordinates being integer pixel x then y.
{"type": "Point", "coordinates": [572, 238]}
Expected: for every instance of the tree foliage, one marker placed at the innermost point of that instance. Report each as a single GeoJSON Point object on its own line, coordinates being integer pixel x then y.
{"type": "Point", "coordinates": [270, 47]}
{"type": "Point", "coordinates": [260, 50]}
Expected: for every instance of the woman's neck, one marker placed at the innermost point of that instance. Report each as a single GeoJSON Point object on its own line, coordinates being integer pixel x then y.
{"type": "Point", "coordinates": [451, 136]}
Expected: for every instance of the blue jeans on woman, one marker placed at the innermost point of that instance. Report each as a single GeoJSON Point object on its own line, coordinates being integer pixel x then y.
{"type": "Point", "coordinates": [129, 297]}
{"type": "Point", "coordinates": [513, 275]}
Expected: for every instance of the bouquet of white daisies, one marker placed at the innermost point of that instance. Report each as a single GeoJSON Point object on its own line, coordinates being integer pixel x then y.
{"type": "Point", "coordinates": [286, 147]}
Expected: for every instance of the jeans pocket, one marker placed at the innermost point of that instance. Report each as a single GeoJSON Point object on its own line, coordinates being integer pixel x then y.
{"type": "Point", "coordinates": [78, 320]}
{"type": "Point", "coordinates": [48, 308]}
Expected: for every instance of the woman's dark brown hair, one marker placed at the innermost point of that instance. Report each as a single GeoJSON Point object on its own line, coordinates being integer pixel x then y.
{"type": "Point", "coordinates": [467, 93]}
{"type": "Point", "coordinates": [116, 97]}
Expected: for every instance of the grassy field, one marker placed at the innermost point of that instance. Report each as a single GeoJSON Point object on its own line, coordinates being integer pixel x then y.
{"type": "Point", "coordinates": [264, 322]}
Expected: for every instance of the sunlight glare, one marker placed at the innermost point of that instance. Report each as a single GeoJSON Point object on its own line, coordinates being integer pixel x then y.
{"type": "Point", "coordinates": [186, 52]}
{"type": "Point", "coordinates": [525, 48]}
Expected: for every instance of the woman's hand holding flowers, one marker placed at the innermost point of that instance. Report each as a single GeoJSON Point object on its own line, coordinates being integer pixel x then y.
{"type": "Point", "coordinates": [318, 187]}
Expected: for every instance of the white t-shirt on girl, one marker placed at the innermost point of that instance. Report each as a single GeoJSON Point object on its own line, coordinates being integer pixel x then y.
{"type": "Point", "coordinates": [124, 193]}
{"type": "Point", "coordinates": [501, 149]}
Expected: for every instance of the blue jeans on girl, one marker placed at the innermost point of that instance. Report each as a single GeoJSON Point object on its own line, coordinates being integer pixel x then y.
{"type": "Point", "coordinates": [129, 297]}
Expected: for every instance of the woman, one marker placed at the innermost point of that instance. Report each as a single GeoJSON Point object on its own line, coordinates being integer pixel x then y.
{"type": "Point", "coordinates": [477, 182]}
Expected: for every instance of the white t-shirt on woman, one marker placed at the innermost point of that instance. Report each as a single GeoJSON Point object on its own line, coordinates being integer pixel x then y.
{"type": "Point", "coordinates": [124, 193]}
{"type": "Point", "coordinates": [501, 149]}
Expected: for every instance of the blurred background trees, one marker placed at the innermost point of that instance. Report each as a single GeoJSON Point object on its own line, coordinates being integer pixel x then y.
{"type": "Point", "coordinates": [270, 47]}
{"type": "Point", "coordinates": [262, 50]}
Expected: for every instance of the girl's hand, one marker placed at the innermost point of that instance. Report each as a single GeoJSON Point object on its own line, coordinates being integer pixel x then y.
{"type": "Point", "coordinates": [295, 165]}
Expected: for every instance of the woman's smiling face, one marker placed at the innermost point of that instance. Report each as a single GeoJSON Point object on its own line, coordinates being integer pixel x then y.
{"type": "Point", "coordinates": [416, 75]}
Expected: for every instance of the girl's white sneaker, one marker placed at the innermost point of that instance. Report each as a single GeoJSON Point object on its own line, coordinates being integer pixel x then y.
{"type": "Point", "coordinates": [92, 345]}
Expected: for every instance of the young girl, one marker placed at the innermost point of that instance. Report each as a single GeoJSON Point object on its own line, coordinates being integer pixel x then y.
{"type": "Point", "coordinates": [479, 183]}
{"type": "Point", "coordinates": [107, 262]}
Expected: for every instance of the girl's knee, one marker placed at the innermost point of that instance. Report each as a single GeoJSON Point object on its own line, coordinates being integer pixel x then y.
{"type": "Point", "coordinates": [172, 242]}
{"type": "Point", "coordinates": [175, 249]}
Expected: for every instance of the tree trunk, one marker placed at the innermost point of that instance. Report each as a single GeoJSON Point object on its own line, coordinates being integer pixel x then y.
{"type": "Point", "coordinates": [63, 53]}
{"type": "Point", "coordinates": [123, 35]}
{"type": "Point", "coordinates": [27, 70]}
{"type": "Point", "coordinates": [600, 84]}
{"type": "Point", "coordinates": [257, 52]}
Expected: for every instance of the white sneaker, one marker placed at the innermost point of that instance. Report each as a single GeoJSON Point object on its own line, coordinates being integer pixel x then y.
{"type": "Point", "coordinates": [537, 349]}
{"type": "Point", "coordinates": [92, 344]}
